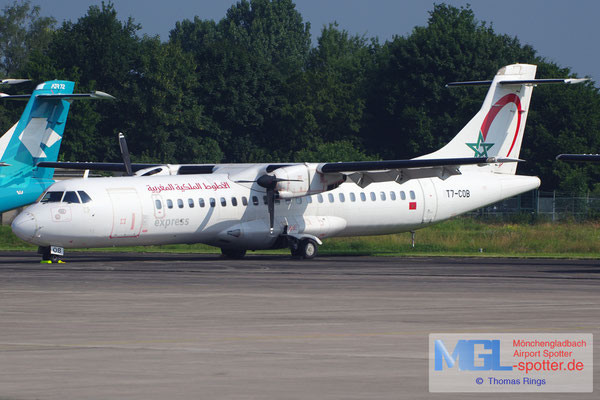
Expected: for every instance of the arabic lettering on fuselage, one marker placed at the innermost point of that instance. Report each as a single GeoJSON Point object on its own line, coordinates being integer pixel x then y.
{"type": "Point", "coordinates": [183, 187]}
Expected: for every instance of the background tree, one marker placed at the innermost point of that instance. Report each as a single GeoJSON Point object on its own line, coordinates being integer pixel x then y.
{"type": "Point", "coordinates": [251, 88]}
{"type": "Point", "coordinates": [22, 33]}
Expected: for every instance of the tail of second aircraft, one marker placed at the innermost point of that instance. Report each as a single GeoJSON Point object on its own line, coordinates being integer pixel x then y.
{"type": "Point", "coordinates": [38, 133]}
{"type": "Point", "coordinates": [35, 137]}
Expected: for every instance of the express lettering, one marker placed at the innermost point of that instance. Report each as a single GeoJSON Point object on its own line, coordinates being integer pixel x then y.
{"type": "Point", "coordinates": [165, 223]}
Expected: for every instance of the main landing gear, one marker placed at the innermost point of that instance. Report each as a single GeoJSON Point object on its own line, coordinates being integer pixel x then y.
{"type": "Point", "coordinates": [234, 254]}
{"type": "Point", "coordinates": [51, 254]}
{"type": "Point", "coordinates": [304, 248]}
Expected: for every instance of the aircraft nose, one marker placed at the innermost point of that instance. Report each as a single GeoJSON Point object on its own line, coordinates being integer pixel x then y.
{"type": "Point", "coordinates": [24, 226]}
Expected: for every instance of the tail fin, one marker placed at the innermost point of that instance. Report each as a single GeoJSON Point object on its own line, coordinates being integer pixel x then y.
{"type": "Point", "coordinates": [497, 129]}
{"type": "Point", "coordinates": [36, 137]}
{"type": "Point", "coordinates": [38, 134]}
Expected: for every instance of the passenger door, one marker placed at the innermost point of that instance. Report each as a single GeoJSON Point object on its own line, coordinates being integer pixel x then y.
{"type": "Point", "coordinates": [127, 212]}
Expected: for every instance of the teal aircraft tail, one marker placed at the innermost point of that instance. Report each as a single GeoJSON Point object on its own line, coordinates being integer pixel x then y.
{"type": "Point", "coordinates": [35, 137]}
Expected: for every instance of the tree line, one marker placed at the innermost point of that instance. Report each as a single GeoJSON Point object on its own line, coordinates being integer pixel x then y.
{"type": "Point", "coordinates": [252, 87]}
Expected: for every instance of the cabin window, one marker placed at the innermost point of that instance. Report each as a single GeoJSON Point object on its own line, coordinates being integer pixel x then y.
{"type": "Point", "coordinates": [52, 197]}
{"type": "Point", "coordinates": [342, 197]}
{"type": "Point", "coordinates": [412, 195]}
{"type": "Point", "coordinates": [179, 203]}
{"type": "Point", "coordinates": [255, 200]}
{"type": "Point", "coordinates": [288, 201]}
{"type": "Point", "coordinates": [392, 196]}
{"type": "Point", "coordinates": [373, 196]}
{"type": "Point", "coordinates": [352, 197]}
{"type": "Point", "coordinates": [71, 197]}
{"type": "Point", "coordinates": [309, 199]}
{"type": "Point", "coordinates": [363, 197]}
{"type": "Point", "coordinates": [330, 196]}
{"type": "Point", "coordinates": [201, 202]}
{"type": "Point", "coordinates": [382, 195]}
{"type": "Point", "coordinates": [84, 196]}
{"type": "Point", "coordinates": [212, 202]}
{"type": "Point", "coordinates": [223, 202]}
{"type": "Point", "coordinates": [158, 204]}
{"type": "Point", "coordinates": [191, 203]}
{"type": "Point", "coordinates": [169, 203]}
{"type": "Point", "coordinates": [402, 195]}
{"type": "Point", "coordinates": [244, 201]}
{"type": "Point", "coordinates": [299, 200]}
{"type": "Point", "coordinates": [319, 198]}
{"type": "Point", "coordinates": [234, 201]}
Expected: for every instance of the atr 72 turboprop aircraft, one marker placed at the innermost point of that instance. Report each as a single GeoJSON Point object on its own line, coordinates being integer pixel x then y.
{"type": "Point", "coordinates": [35, 137]}
{"type": "Point", "coordinates": [240, 207]}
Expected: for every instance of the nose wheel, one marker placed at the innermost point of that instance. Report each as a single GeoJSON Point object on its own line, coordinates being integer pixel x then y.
{"type": "Point", "coordinates": [51, 254]}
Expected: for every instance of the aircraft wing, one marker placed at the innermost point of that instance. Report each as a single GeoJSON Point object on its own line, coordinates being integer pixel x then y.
{"type": "Point", "coordinates": [361, 172]}
{"type": "Point", "coordinates": [364, 173]}
{"type": "Point", "coordinates": [120, 167]}
{"type": "Point", "coordinates": [95, 166]}
{"type": "Point", "coordinates": [579, 157]}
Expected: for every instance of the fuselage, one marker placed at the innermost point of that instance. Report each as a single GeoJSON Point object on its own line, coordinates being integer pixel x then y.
{"type": "Point", "coordinates": [215, 210]}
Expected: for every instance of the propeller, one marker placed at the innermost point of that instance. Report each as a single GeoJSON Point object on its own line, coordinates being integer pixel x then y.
{"type": "Point", "coordinates": [270, 182]}
{"type": "Point", "coordinates": [125, 154]}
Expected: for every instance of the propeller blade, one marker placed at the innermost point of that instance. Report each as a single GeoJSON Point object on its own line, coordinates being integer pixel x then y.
{"type": "Point", "coordinates": [125, 154]}
{"type": "Point", "coordinates": [271, 205]}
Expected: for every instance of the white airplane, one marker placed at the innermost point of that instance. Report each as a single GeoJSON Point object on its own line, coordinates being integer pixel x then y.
{"type": "Point", "coordinates": [240, 207]}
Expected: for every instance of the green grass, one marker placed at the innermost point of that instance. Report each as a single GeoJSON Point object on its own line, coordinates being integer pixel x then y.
{"type": "Point", "coordinates": [458, 237]}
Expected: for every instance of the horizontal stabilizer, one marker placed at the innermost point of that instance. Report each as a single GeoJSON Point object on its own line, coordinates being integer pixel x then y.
{"type": "Point", "coordinates": [82, 96]}
{"type": "Point", "coordinates": [568, 81]}
{"type": "Point", "coordinates": [13, 81]}
{"type": "Point", "coordinates": [579, 157]}
{"type": "Point", "coordinates": [97, 95]}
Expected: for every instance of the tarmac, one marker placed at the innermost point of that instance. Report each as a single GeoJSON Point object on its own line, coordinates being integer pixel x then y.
{"type": "Point", "coordinates": [161, 326]}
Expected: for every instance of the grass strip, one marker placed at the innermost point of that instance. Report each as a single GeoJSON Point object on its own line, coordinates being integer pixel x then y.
{"type": "Point", "coordinates": [457, 237]}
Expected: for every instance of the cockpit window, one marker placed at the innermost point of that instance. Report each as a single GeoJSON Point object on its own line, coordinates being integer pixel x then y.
{"type": "Point", "coordinates": [70, 197]}
{"type": "Point", "coordinates": [84, 196]}
{"type": "Point", "coordinates": [52, 197]}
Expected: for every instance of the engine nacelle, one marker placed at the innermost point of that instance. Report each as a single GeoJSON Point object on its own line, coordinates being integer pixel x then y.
{"type": "Point", "coordinates": [303, 179]}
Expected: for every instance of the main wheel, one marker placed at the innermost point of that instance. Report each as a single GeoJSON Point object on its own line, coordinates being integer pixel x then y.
{"type": "Point", "coordinates": [233, 253]}
{"type": "Point", "coordinates": [308, 249]}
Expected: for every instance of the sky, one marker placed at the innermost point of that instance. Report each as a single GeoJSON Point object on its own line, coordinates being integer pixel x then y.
{"type": "Point", "coordinates": [562, 32]}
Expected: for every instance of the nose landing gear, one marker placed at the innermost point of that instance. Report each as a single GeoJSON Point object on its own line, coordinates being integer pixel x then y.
{"type": "Point", "coordinates": [51, 254]}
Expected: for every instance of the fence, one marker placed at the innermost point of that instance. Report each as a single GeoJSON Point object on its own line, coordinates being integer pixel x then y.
{"type": "Point", "coordinates": [553, 206]}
